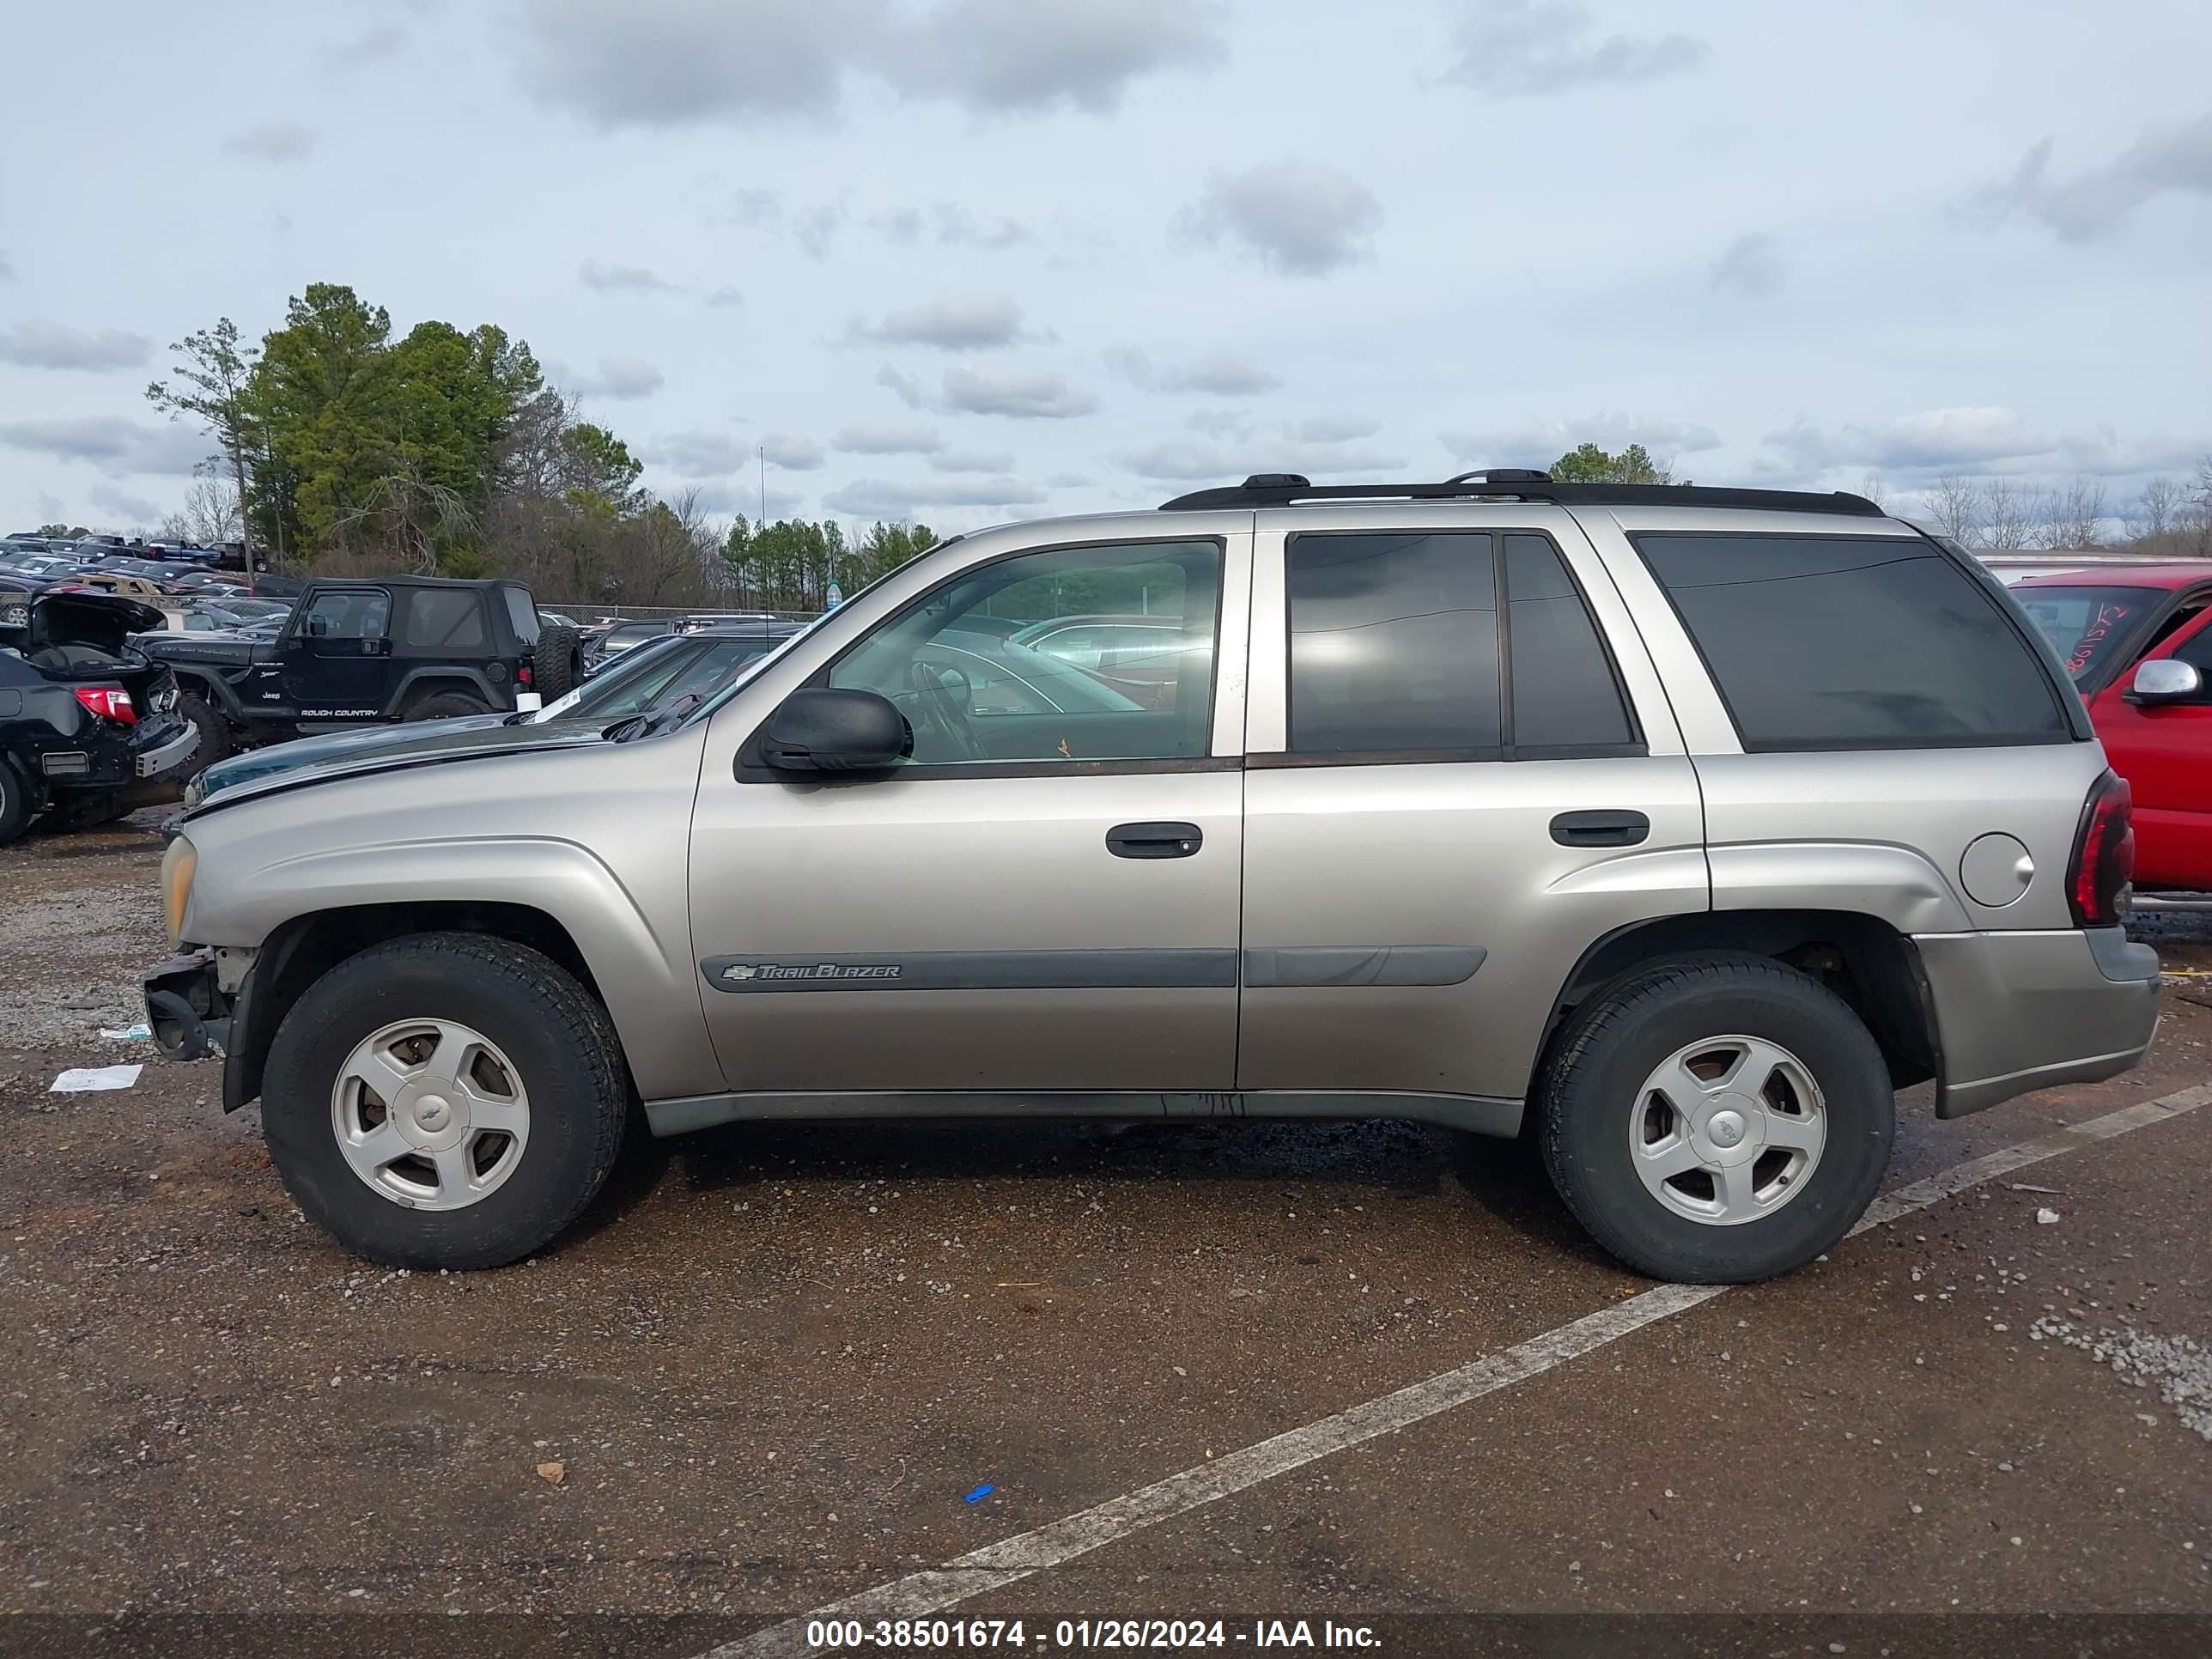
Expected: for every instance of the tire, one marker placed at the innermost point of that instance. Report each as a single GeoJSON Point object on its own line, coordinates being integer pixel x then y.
{"type": "Point", "coordinates": [216, 743]}
{"type": "Point", "coordinates": [557, 664]}
{"type": "Point", "coordinates": [15, 809]}
{"type": "Point", "coordinates": [446, 705]}
{"type": "Point", "coordinates": [1598, 1115]}
{"type": "Point", "coordinates": [566, 1062]}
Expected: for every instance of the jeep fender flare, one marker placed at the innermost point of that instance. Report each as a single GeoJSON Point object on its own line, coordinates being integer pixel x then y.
{"type": "Point", "coordinates": [450, 677]}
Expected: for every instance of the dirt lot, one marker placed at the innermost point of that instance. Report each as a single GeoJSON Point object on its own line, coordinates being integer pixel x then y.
{"type": "Point", "coordinates": [777, 1361]}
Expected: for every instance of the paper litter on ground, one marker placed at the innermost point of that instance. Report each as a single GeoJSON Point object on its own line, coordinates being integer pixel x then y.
{"type": "Point", "coordinates": [83, 1079]}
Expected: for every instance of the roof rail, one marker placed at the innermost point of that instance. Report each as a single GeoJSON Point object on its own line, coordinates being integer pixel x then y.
{"type": "Point", "coordinates": [1517, 483]}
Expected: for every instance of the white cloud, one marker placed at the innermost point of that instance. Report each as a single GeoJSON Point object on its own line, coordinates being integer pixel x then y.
{"type": "Point", "coordinates": [2168, 158]}
{"type": "Point", "coordinates": [998, 461]}
{"type": "Point", "coordinates": [907, 389]}
{"type": "Point", "coordinates": [137, 512]}
{"type": "Point", "coordinates": [879, 498]}
{"type": "Point", "coordinates": [887, 440]}
{"type": "Point", "coordinates": [42, 342]}
{"type": "Point", "coordinates": [676, 62]}
{"type": "Point", "coordinates": [1750, 264]}
{"type": "Point", "coordinates": [1220, 373]}
{"type": "Point", "coordinates": [794, 453]}
{"type": "Point", "coordinates": [1539, 443]}
{"type": "Point", "coordinates": [1043, 395]}
{"type": "Point", "coordinates": [1186, 461]}
{"type": "Point", "coordinates": [274, 140]}
{"type": "Point", "coordinates": [1531, 48]}
{"type": "Point", "coordinates": [700, 454]}
{"type": "Point", "coordinates": [721, 298]}
{"type": "Point", "coordinates": [620, 377]}
{"type": "Point", "coordinates": [606, 278]}
{"type": "Point", "coordinates": [951, 322]}
{"type": "Point", "coordinates": [1299, 218]}
{"type": "Point", "coordinates": [1987, 439]}
{"type": "Point", "coordinates": [117, 446]}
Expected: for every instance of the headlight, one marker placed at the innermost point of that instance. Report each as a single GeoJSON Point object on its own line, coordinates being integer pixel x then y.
{"type": "Point", "coordinates": [179, 864]}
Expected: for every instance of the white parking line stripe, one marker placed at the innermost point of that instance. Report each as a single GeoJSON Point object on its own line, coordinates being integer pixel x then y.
{"type": "Point", "coordinates": [1015, 1558]}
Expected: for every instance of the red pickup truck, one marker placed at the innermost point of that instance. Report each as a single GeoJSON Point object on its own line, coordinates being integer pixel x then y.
{"type": "Point", "coordinates": [2138, 641]}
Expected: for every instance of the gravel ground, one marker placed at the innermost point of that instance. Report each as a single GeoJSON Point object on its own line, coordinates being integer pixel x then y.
{"type": "Point", "coordinates": [767, 1371]}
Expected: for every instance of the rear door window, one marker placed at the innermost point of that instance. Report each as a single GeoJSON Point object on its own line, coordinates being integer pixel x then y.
{"type": "Point", "coordinates": [1394, 644]}
{"type": "Point", "coordinates": [440, 619]}
{"type": "Point", "coordinates": [1397, 651]}
{"type": "Point", "coordinates": [1822, 642]}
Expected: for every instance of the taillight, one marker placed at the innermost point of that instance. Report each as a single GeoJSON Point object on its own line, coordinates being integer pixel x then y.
{"type": "Point", "coordinates": [2104, 854]}
{"type": "Point", "coordinates": [522, 675]}
{"type": "Point", "coordinates": [110, 703]}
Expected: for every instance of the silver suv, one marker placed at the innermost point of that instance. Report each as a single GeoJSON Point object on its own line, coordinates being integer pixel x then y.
{"type": "Point", "coordinates": [1675, 828]}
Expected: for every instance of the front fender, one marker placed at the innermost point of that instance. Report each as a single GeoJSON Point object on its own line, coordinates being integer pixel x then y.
{"type": "Point", "coordinates": [656, 1011]}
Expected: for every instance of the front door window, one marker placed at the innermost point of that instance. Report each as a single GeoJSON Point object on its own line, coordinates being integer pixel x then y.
{"type": "Point", "coordinates": [973, 667]}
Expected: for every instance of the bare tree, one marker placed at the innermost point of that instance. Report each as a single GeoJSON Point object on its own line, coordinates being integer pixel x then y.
{"type": "Point", "coordinates": [2074, 516]}
{"type": "Point", "coordinates": [1955, 504]}
{"type": "Point", "coordinates": [2008, 514]}
{"type": "Point", "coordinates": [1872, 486]}
{"type": "Point", "coordinates": [2162, 501]}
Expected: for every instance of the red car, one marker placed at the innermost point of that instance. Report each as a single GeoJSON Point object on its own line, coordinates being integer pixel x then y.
{"type": "Point", "coordinates": [2136, 638]}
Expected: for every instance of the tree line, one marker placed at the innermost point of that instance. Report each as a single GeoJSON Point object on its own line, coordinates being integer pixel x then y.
{"type": "Point", "coordinates": [443, 450]}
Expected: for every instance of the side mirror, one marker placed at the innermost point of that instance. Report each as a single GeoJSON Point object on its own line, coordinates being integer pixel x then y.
{"type": "Point", "coordinates": [2165, 679]}
{"type": "Point", "coordinates": [821, 730]}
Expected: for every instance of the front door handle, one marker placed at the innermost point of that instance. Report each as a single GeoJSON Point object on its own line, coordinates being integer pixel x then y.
{"type": "Point", "coordinates": [1154, 840]}
{"type": "Point", "coordinates": [1601, 828]}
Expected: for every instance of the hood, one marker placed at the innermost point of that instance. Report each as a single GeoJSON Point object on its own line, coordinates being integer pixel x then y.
{"type": "Point", "coordinates": [102, 621]}
{"type": "Point", "coordinates": [226, 648]}
{"type": "Point", "coordinates": [474, 739]}
{"type": "Point", "coordinates": [355, 745]}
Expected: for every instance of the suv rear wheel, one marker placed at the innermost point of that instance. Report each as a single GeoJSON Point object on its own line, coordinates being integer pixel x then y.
{"type": "Point", "coordinates": [446, 705]}
{"type": "Point", "coordinates": [445, 1100]}
{"type": "Point", "coordinates": [1717, 1119]}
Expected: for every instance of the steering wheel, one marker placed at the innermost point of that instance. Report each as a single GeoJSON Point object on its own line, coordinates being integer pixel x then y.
{"type": "Point", "coordinates": [943, 708]}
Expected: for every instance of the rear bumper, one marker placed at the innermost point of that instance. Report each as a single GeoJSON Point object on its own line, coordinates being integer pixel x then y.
{"type": "Point", "coordinates": [168, 754]}
{"type": "Point", "coordinates": [2015, 1012]}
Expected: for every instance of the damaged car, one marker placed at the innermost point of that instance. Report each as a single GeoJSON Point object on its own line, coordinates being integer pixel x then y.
{"type": "Point", "coordinates": [90, 728]}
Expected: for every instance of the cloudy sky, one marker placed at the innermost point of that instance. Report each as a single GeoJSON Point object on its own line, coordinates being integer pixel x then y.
{"type": "Point", "coordinates": [976, 260]}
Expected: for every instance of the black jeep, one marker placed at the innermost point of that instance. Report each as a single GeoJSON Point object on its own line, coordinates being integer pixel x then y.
{"type": "Point", "coordinates": [364, 653]}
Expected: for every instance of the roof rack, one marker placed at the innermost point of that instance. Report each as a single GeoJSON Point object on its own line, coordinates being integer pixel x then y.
{"type": "Point", "coordinates": [1520, 484]}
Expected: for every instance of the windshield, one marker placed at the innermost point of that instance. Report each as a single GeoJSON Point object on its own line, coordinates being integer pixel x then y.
{"type": "Point", "coordinates": [2086, 624]}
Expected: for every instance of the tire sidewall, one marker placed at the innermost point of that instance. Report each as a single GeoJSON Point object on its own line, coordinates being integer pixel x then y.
{"type": "Point", "coordinates": [16, 813]}
{"type": "Point", "coordinates": [1590, 1110]}
{"type": "Point", "coordinates": [446, 705]}
{"type": "Point", "coordinates": [215, 731]}
{"type": "Point", "coordinates": [562, 1163]}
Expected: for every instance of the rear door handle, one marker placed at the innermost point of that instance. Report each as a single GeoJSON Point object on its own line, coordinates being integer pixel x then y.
{"type": "Point", "coordinates": [1601, 828]}
{"type": "Point", "coordinates": [1154, 840]}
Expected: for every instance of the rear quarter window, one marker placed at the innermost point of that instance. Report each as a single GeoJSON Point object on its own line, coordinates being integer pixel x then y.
{"type": "Point", "coordinates": [1855, 642]}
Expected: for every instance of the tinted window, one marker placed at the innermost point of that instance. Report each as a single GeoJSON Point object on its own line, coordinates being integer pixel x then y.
{"type": "Point", "coordinates": [953, 665]}
{"type": "Point", "coordinates": [347, 613]}
{"type": "Point", "coordinates": [2086, 625]}
{"type": "Point", "coordinates": [2196, 652]}
{"type": "Point", "coordinates": [1854, 642]}
{"type": "Point", "coordinates": [445, 619]}
{"type": "Point", "coordinates": [521, 615]}
{"type": "Point", "coordinates": [1563, 690]}
{"type": "Point", "coordinates": [1393, 642]}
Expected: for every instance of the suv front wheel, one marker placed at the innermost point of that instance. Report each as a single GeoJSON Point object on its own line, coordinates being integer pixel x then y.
{"type": "Point", "coordinates": [445, 1100]}
{"type": "Point", "coordinates": [1717, 1119]}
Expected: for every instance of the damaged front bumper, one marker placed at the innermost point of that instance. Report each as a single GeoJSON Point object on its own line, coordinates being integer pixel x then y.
{"type": "Point", "coordinates": [188, 1007]}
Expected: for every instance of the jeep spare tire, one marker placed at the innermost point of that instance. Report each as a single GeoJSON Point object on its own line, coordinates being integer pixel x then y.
{"type": "Point", "coordinates": [557, 664]}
